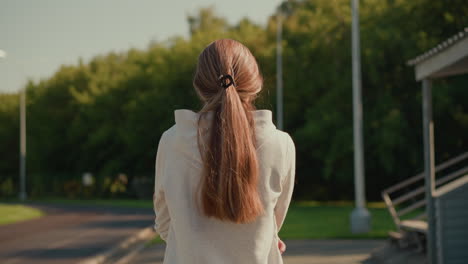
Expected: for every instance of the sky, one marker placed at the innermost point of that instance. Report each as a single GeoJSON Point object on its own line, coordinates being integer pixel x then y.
{"type": "Point", "coordinates": [36, 37]}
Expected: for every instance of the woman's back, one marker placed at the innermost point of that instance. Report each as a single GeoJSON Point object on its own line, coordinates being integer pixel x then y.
{"type": "Point", "coordinates": [191, 236]}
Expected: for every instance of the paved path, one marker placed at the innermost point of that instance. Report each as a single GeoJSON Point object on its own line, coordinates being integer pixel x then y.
{"type": "Point", "coordinates": [330, 251]}
{"type": "Point", "coordinates": [69, 233]}
{"type": "Point", "coordinates": [298, 252]}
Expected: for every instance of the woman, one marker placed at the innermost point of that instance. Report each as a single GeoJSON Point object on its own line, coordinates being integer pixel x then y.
{"type": "Point", "coordinates": [225, 175]}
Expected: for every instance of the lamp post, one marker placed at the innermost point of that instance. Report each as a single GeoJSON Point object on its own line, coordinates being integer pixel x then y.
{"type": "Point", "coordinates": [360, 216]}
{"type": "Point", "coordinates": [22, 194]}
{"type": "Point", "coordinates": [279, 70]}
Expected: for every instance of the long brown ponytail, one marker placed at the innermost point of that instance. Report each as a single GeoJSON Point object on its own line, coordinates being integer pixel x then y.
{"type": "Point", "coordinates": [230, 165]}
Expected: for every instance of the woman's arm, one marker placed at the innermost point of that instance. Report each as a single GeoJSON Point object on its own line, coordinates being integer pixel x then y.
{"type": "Point", "coordinates": [162, 220]}
{"type": "Point", "coordinates": [287, 185]}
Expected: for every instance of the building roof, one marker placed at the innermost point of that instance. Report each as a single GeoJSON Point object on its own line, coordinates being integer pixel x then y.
{"type": "Point", "coordinates": [440, 47]}
{"type": "Point", "coordinates": [449, 58]}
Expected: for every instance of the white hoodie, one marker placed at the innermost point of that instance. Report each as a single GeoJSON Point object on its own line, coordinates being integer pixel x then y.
{"type": "Point", "coordinates": [194, 238]}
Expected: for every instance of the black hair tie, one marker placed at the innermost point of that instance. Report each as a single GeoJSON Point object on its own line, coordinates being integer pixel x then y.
{"type": "Point", "coordinates": [225, 80]}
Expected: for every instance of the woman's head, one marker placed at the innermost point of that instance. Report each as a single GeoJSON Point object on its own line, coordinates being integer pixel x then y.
{"type": "Point", "coordinates": [230, 165]}
{"type": "Point", "coordinates": [222, 57]}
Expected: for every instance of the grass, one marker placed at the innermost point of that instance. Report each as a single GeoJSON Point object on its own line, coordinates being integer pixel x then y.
{"type": "Point", "coordinates": [331, 220]}
{"type": "Point", "coordinates": [154, 241]}
{"type": "Point", "coordinates": [305, 219]}
{"type": "Point", "coordinates": [104, 202]}
{"type": "Point", "coordinates": [328, 220]}
{"type": "Point", "coordinates": [16, 213]}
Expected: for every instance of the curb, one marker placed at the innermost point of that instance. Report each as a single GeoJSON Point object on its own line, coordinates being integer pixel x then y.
{"type": "Point", "coordinates": [131, 255]}
{"type": "Point", "coordinates": [133, 241]}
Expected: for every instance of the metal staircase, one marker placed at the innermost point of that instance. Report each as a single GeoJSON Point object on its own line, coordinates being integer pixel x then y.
{"type": "Point", "coordinates": [406, 201]}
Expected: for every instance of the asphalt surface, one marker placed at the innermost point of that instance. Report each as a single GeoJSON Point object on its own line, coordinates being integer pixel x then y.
{"type": "Point", "coordinates": [69, 233]}
{"type": "Point", "coordinates": [298, 252]}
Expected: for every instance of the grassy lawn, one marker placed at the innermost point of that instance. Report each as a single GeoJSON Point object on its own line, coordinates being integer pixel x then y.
{"type": "Point", "coordinates": [16, 213]}
{"type": "Point", "coordinates": [305, 219]}
{"type": "Point", "coordinates": [321, 220]}
{"type": "Point", "coordinates": [103, 202]}
{"type": "Point", "coordinates": [156, 240]}
{"type": "Point", "coordinates": [328, 220]}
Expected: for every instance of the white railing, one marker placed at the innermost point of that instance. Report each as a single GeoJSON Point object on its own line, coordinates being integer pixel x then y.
{"type": "Point", "coordinates": [409, 195]}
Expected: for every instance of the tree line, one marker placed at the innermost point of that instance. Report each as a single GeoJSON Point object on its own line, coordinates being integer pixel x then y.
{"type": "Point", "coordinates": [105, 116]}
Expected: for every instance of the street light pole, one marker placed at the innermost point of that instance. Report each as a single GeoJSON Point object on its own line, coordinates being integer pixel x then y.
{"type": "Point", "coordinates": [279, 71]}
{"type": "Point", "coordinates": [22, 194]}
{"type": "Point", "coordinates": [22, 99]}
{"type": "Point", "coordinates": [360, 217]}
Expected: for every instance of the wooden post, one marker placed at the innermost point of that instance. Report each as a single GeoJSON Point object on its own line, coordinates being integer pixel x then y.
{"type": "Point", "coordinates": [429, 171]}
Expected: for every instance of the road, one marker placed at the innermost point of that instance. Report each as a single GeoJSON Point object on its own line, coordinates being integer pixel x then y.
{"type": "Point", "coordinates": [298, 252]}
{"type": "Point", "coordinates": [69, 233]}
